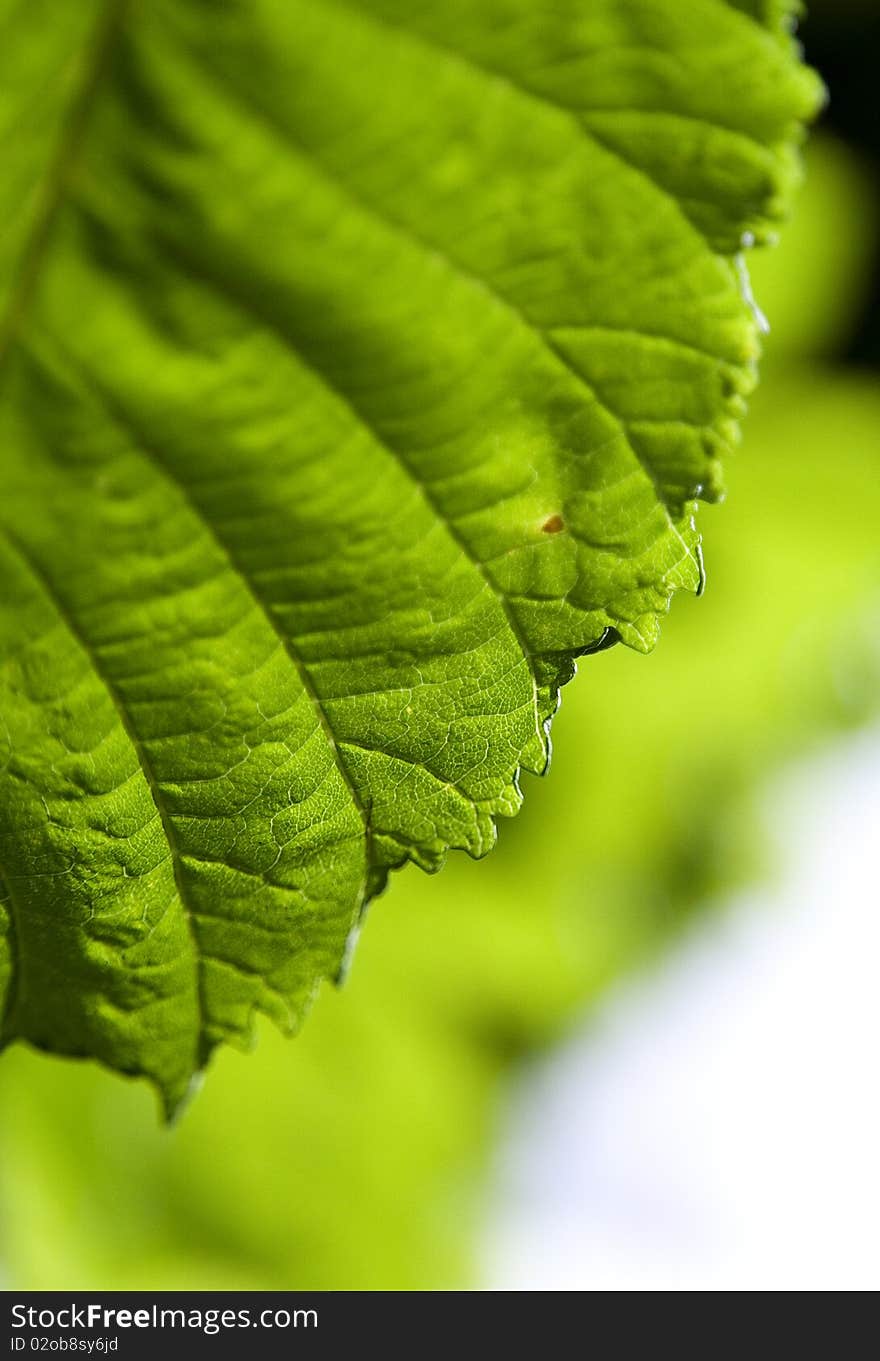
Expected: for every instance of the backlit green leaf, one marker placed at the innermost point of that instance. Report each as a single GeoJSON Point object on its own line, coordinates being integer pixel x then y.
{"type": "Point", "coordinates": [361, 365]}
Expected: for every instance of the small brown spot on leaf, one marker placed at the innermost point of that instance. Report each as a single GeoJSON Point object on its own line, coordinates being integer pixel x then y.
{"type": "Point", "coordinates": [553, 524]}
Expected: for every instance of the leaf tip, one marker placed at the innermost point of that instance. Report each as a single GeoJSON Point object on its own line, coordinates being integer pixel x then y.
{"type": "Point", "coordinates": [175, 1101]}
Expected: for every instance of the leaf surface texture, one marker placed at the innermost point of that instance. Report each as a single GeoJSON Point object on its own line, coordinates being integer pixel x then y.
{"type": "Point", "coordinates": [361, 365]}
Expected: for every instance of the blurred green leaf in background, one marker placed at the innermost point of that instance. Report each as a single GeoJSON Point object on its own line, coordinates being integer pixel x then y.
{"type": "Point", "coordinates": [353, 1158]}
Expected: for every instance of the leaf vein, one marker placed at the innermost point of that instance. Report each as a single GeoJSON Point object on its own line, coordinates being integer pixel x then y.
{"type": "Point", "coordinates": [153, 784]}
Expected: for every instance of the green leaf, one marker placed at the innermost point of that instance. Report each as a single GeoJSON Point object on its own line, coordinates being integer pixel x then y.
{"type": "Point", "coordinates": [361, 364]}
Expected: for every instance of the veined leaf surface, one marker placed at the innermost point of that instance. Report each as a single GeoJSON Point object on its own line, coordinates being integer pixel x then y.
{"type": "Point", "coordinates": [362, 361]}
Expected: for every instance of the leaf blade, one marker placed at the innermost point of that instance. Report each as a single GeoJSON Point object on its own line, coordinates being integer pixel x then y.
{"type": "Point", "coordinates": [355, 383]}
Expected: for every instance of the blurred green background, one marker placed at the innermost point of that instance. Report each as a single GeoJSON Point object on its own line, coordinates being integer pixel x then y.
{"type": "Point", "coordinates": [355, 1156]}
